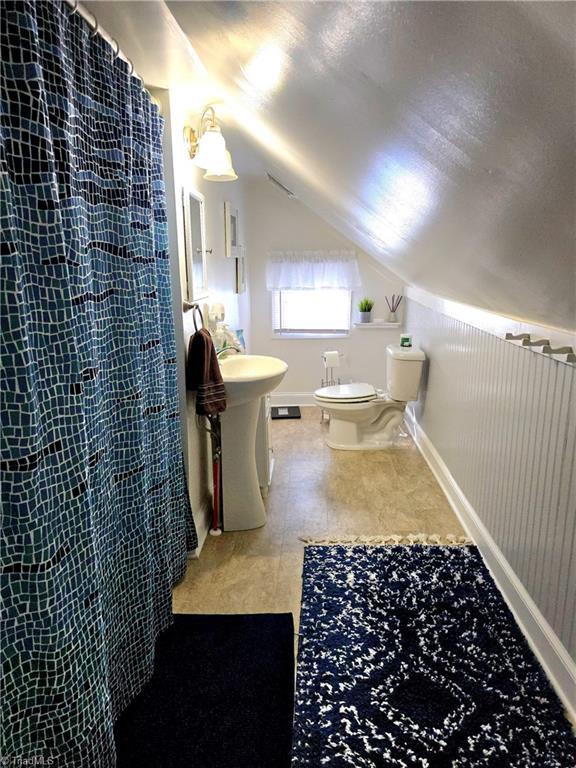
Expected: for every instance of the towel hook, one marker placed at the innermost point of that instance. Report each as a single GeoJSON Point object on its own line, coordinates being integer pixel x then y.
{"type": "Point", "coordinates": [74, 8]}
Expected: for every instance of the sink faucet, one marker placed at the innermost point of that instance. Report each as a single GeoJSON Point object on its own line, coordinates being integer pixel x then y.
{"type": "Point", "coordinates": [228, 348]}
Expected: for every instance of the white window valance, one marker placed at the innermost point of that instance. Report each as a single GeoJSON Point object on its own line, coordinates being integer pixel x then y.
{"type": "Point", "coordinates": [312, 269]}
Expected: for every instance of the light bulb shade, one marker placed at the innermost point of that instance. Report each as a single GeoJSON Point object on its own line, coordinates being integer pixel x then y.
{"type": "Point", "coordinates": [224, 172]}
{"type": "Point", "coordinates": [211, 149]}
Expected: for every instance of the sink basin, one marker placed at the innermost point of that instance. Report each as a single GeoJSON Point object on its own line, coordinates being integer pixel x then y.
{"type": "Point", "coordinates": [247, 377]}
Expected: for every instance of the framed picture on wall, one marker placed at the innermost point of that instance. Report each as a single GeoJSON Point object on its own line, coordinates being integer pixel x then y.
{"type": "Point", "coordinates": [241, 270]}
{"type": "Point", "coordinates": [231, 231]}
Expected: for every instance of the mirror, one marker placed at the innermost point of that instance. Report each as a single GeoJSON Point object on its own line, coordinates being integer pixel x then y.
{"type": "Point", "coordinates": [194, 245]}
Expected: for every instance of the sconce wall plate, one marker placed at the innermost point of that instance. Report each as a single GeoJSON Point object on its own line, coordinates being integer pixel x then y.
{"type": "Point", "coordinates": [191, 141]}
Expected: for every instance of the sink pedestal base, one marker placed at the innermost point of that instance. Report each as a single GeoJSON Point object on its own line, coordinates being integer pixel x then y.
{"type": "Point", "coordinates": [243, 508]}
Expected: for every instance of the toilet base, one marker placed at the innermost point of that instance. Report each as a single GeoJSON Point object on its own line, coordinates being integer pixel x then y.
{"type": "Point", "coordinates": [372, 429]}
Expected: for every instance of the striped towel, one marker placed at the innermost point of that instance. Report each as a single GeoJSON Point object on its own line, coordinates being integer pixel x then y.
{"type": "Point", "coordinates": [203, 375]}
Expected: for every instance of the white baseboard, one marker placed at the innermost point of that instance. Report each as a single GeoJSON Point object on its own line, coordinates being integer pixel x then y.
{"type": "Point", "coordinates": [292, 398]}
{"type": "Point", "coordinates": [544, 642]}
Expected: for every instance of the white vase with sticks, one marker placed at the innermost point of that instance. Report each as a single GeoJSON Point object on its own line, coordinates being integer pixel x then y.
{"type": "Point", "coordinates": [393, 305]}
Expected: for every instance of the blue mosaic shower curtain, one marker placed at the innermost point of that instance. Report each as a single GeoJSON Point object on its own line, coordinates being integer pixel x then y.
{"type": "Point", "coordinates": [96, 518]}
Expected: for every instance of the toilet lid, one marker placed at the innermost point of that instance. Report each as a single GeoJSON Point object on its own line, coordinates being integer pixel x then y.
{"type": "Point", "coordinates": [356, 392]}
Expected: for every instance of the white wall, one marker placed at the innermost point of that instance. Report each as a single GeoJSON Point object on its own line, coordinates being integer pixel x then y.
{"type": "Point", "coordinates": [183, 174]}
{"type": "Point", "coordinates": [277, 222]}
{"type": "Point", "coordinates": [221, 270]}
{"type": "Point", "coordinates": [163, 98]}
{"type": "Point", "coordinates": [502, 418]}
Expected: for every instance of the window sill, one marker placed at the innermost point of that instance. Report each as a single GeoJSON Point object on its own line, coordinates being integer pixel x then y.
{"type": "Point", "coordinates": [288, 336]}
{"type": "Point", "coordinates": [373, 326]}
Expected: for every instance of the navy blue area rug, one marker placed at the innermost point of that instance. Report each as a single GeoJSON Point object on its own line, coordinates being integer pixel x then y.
{"type": "Point", "coordinates": [222, 696]}
{"type": "Point", "coordinates": [409, 656]}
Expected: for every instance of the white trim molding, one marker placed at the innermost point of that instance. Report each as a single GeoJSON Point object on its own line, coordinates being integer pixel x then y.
{"type": "Point", "coordinates": [497, 325]}
{"type": "Point", "coordinates": [279, 398]}
{"type": "Point", "coordinates": [544, 642]}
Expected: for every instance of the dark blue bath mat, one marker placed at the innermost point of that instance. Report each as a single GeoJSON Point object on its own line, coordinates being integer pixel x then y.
{"type": "Point", "coordinates": [410, 657]}
{"type": "Point", "coordinates": [221, 696]}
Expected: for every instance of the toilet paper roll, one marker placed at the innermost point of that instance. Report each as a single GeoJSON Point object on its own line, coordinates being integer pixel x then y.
{"type": "Point", "coordinates": [331, 359]}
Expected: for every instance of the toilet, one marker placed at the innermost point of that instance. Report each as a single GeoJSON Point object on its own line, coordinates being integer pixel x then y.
{"type": "Point", "coordinates": [363, 418]}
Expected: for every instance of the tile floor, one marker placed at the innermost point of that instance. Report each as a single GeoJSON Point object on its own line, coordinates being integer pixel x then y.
{"type": "Point", "coordinates": [315, 492]}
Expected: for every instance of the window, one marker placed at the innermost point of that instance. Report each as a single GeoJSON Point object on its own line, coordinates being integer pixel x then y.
{"type": "Point", "coordinates": [311, 291]}
{"type": "Point", "coordinates": [320, 311]}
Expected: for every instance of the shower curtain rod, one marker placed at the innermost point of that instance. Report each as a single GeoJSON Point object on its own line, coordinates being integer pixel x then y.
{"type": "Point", "coordinates": [94, 25]}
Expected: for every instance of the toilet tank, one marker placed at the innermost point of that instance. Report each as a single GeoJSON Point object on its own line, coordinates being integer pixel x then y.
{"type": "Point", "coordinates": [403, 372]}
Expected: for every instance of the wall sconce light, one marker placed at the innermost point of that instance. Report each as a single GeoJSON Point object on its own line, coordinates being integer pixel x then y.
{"type": "Point", "coordinates": [207, 148]}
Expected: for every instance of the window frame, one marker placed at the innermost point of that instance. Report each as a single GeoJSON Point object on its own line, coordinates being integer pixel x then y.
{"type": "Point", "coordinates": [308, 333]}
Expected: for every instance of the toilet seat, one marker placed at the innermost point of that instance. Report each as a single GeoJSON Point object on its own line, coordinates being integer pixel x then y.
{"type": "Point", "coordinates": [357, 392]}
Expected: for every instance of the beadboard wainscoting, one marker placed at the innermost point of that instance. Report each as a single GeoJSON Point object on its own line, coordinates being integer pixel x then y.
{"type": "Point", "coordinates": [497, 424]}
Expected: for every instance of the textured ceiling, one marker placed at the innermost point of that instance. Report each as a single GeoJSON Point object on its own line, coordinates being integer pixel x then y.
{"type": "Point", "coordinates": [438, 136]}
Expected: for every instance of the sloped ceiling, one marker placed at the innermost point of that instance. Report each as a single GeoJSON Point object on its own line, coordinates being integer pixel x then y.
{"type": "Point", "coordinates": [438, 136]}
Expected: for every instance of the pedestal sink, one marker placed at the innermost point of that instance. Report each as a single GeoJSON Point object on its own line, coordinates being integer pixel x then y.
{"type": "Point", "coordinates": [247, 379]}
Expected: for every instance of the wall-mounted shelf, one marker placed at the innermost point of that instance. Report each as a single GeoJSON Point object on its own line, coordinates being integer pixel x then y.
{"type": "Point", "coordinates": [373, 326]}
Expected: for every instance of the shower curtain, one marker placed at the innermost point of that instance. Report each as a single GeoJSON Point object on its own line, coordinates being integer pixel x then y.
{"type": "Point", "coordinates": [96, 517]}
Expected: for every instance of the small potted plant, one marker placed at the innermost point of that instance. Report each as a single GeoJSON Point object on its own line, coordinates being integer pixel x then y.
{"type": "Point", "coordinates": [365, 308]}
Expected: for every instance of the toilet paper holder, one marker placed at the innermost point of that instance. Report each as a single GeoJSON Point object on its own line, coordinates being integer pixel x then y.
{"type": "Point", "coordinates": [329, 380]}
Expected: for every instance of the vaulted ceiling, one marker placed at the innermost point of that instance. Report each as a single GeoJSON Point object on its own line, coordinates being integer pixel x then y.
{"type": "Point", "coordinates": [439, 137]}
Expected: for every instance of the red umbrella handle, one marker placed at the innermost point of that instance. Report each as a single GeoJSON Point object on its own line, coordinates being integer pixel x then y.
{"type": "Point", "coordinates": [216, 504]}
